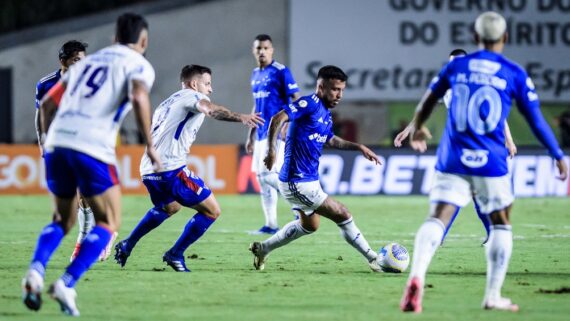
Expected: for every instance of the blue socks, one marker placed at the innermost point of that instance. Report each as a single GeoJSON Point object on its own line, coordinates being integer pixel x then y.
{"type": "Point", "coordinates": [48, 242]}
{"type": "Point", "coordinates": [89, 252]}
{"type": "Point", "coordinates": [193, 230]}
{"type": "Point", "coordinates": [153, 218]}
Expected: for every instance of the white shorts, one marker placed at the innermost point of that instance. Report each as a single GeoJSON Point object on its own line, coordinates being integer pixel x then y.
{"type": "Point", "coordinates": [303, 196]}
{"type": "Point", "coordinates": [490, 193]}
{"type": "Point", "coordinates": [260, 151]}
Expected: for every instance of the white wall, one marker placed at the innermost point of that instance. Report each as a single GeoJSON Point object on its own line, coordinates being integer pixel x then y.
{"type": "Point", "coordinates": [218, 34]}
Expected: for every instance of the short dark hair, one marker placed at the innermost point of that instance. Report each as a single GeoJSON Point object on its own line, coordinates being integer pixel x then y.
{"type": "Point", "coordinates": [331, 72]}
{"type": "Point", "coordinates": [190, 71]}
{"type": "Point", "coordinates": [70, 48]}
{"type": "Point", "coordinates": [129, 27]}
{"type": "Point", "coordinates": [263, 37]}
{"type": "Point", "coordinates": [457, 52]}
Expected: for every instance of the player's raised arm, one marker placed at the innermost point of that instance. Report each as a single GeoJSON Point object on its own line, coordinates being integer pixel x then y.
{"type": "Point", "coordinates": [223, 113]}
{"type": "Point", "coordinates": [275, 125]}
{"type": "Point", "coordinates": [140, 99]}
{"type": "Point", "coordinates": [339, 143]}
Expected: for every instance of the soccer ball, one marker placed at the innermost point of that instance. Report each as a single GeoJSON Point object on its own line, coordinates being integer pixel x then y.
{"type": "Point", "coordinates": [393, 258]}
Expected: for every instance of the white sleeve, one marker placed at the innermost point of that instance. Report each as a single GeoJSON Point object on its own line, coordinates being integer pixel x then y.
{"type": "Point", "coordinates": [194, 99]}
{"type": "Point", "coordinates": [141, 69]}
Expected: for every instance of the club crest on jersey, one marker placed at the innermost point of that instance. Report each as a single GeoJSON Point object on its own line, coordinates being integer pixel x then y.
{"type": "Point", "coordinates": [302, 103]}
{"type": "Point", "coordinates": [474, 158]}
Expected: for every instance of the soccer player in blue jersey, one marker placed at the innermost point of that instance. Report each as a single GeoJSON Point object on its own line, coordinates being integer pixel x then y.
{"type": "Point", "coordinates": [310, 128]}
{"type": "Point", "coordinates": [82, 114]}
{"type": "Point", "coordinates": [472, 158]}
{"type": "Point", "coordinates": [509, 143]}
{"type": "Point", "coordinates": [175, 125]}
{"type": "Point", "coordinates": [273, 88]}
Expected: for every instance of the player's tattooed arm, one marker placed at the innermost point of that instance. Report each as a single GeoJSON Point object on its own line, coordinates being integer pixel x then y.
{"type": "Point", "coordinates": [275, 125]}
{"type": "Point", "coordinates": [339, 143]}
{"type": "Point", "coordinates": [139, 97]}
{"type": "Point", "coordinates": [222, 113]}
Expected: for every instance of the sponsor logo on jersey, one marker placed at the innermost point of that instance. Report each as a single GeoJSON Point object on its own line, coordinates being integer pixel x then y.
{"type": "Point", "coordinates": [292, 86]}
{"type": "Point", "coordinates": [474, 158]}
{"type": "Point", "coordinates": [261, 94]}
{"type": "Point", "coordinates": [484, 66]}
{"type": "Point", "coordinates": [302, 103]}
{"type": "Point", "coordinates": [292, 107]}
{"type": "Point", "coordinates": [318, 137]}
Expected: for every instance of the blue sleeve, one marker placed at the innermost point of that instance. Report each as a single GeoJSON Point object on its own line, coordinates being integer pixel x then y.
{"type": "Point", "coordinates": [300, 108]}
{"type": "Point", "coordinates": [529, 106]}
{"type": "Point", "coordinates": [289, 83]}
{"type": "Point", "coordinates": [440, 84]}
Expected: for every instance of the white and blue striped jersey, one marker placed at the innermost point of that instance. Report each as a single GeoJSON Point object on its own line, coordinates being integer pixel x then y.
{"type": "Point", "coordinates": [96, 101]}
{"type": "Point", "coordinates": [175, 124]}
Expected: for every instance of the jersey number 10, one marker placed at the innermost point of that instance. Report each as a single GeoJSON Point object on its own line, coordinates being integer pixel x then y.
{"type": "Point", "coordinates": [468, 109]}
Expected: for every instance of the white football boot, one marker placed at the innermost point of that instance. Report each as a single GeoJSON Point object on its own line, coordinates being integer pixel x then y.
{"type": "Point", "coordinates": [259, 256]}
{"type": "Point", "coordinates": [65, 297]}
{"type": "Point", "coordinates": [503, 304]}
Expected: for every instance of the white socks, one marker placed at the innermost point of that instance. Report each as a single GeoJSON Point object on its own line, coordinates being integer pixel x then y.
{"type": "Point", "coordinates": [269, 196]}
{"type": "Point", "coordinates": [352, 235]}
{"type": "Point", "coordinates": [290, 232]}
{"type": "Point", "coordinates": [498, 251]}
{"type": "Point", "coordinates": [86, 222]}
{"type": "Point", "coordinates": [427, 241]}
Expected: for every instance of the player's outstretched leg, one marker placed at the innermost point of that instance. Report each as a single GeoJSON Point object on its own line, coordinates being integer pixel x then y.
{"type": "Point", "coordinates": [194, 229]}
{"type": "Point", "coordinates": [426, 243]}
{"type": "Point", "coordinates": [33, 282]}
{"type": "Point", "coordinates": [498, 252]}
{"type": "Point", "coordinates": [152, 219]}
{"type": "Point", "coordinates": [354, 237]}
{"type": "Point", "coordinates": [290, 232]}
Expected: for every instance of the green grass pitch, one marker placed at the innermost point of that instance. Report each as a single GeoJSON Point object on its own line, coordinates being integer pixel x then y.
{"type": "Point", "coordinates": [318, 277]}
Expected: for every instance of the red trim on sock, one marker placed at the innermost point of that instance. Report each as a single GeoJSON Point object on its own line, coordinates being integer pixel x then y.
{"type": "Point", "coordinates": [105, 227]}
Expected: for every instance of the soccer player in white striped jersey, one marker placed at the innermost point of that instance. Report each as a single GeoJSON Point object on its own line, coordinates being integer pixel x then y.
{"type": "Point", "coordinates": [175, 125]}
{"type": "Point", "coordinates": [93, 97]}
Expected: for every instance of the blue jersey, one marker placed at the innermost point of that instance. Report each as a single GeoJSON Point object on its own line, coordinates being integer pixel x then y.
{"type": "Point", "coordinates": [45, 84]}
{"type": "Point", "coordinates": [310, 127]}
{"type": "Point", "coordinates": [484, 85]}
{"type": "Point", "coordinates": [271, 86]}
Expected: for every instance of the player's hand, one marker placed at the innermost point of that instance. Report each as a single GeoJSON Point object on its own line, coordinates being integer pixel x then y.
{"type": "Point", "coordinates": [269, 160]}
{"type": "Point", "coordinates": [154, 158]}
{"type": "Point", "coordinates": [511, 147]}
{"type": "Point", "coordinates": [418, 138]}
{"type": "Point", "coordinates": [252, 120]}
{"type": "Point", "coordinates": [562, 169]}
{"type": "Point", "coordinates": [370, 155]}
{"type": "Point", "coordinates": [402, 136]}
{"type": "Point", "coordinates": [249, 146]}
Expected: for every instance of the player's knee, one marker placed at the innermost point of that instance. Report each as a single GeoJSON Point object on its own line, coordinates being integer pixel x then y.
{"type": "Point", "coordinates": [213, 212]}
{"type": "Point", "coordinates": [172, 208]}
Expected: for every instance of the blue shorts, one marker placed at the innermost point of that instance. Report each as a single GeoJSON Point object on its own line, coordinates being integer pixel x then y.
{"type": "Point", "coordinates": [180, 185]}
{"type": "Point", "coordinates": [67, 169]}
